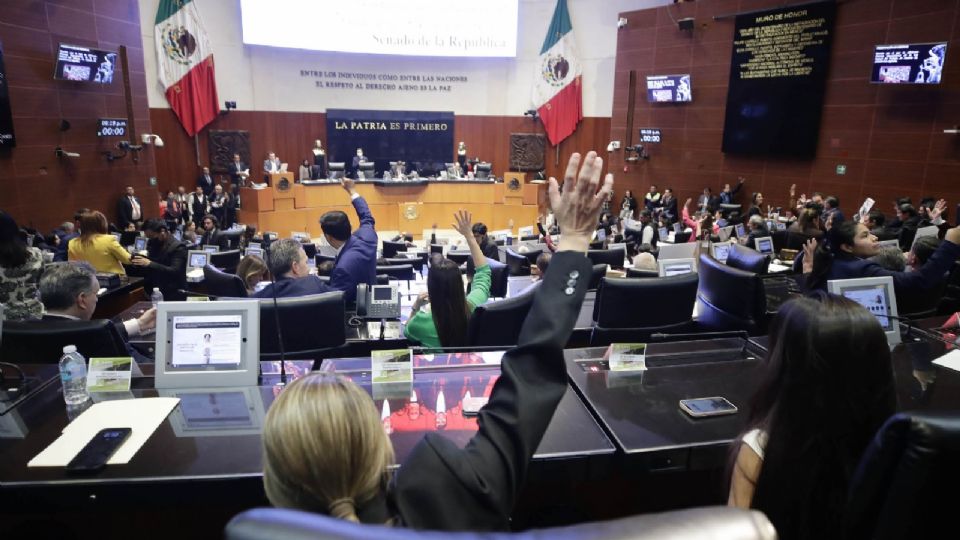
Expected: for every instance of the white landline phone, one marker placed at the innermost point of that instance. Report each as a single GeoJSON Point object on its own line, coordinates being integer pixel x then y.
{"type": "Point", "coordinates": [378, 301]}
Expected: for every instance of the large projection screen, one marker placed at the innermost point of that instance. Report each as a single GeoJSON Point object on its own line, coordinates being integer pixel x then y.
{"type": "Point", "coordinates": [478, 28]}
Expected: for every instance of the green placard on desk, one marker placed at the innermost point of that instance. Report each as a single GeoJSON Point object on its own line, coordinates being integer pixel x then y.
{"type": "Point", "coordinates": [109, 374]}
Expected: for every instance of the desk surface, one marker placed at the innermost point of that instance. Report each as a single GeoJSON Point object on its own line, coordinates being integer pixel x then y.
{"type": "Point", "coordinates": [205, 442]}
{"type": "Point", "coordinates": [641, 410]}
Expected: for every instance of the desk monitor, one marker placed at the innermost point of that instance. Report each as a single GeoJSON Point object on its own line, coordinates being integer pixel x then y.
{"type": "Point", "coordinates": [254, 245]}
{"type": "Point", "coordinates": [335, 170]}
{"type": "Point", "coordinates": [889, 243]}
{"type": "Point", "coordinates": [664, 233]}
{"type": "Point", "coordinates": [683, 250]}
{"type": "Point", "coordinates": [207, 412]}
{"type": "Point", "coordinates": [300, 236]}
{"type": "Point", "coordinates": [741, 231]}
{"type": "Point", "coordinates": [764, 244]}
{"type": "Point", "coordinates": [253, 251]}
{"type": "Point", "coordinates": [720, 251]}
{"type": "Point", "coordinates": [201, 344]}
{"type": "Point", "coordinates": [211, 248]}
{"type": "Point", "coordinates": [725, 233]}
{"type": "Point", "coordinates": [500, 234]}
{"type": "Point", "coordinates": [932, 230]}
{"type": "Point", "coordinates": [365, 170]}
{"type": "Point", "coordinates": [197, 259]}
{"type": "Point", "coordinates": [877, 296]}
{"type": "Point", "coordinates": [140, 243]}
{"type": "Point", "coordinates": [482, 171]}
{"type": "Point", "coordinates": [676, 267]}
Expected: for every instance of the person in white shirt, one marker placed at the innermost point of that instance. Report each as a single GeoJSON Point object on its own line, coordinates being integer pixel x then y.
{"type": "Point", "coordinates": [129, 210]}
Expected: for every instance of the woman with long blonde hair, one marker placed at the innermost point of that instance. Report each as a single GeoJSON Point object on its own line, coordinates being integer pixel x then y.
{"type": "Point", "coordinates": [325, 449]}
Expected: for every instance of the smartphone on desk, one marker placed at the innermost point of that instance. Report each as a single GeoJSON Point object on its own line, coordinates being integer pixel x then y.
{"type": "Point", "coordinates": [708, 406]}
{"type": "Point", "coordinates": [94, 456]}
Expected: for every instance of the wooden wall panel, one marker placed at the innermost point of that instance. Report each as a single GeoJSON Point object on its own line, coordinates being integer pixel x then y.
{"type": "Point", "coordinates": [291, 136]}
{"type": "Point", "coordinates": [889, 137]}
{"type": "Point", "coordinates": [36, 187]}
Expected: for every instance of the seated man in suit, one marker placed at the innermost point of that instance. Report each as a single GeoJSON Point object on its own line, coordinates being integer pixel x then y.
{"type": "Point", "coordinates": [165, 266]}
{"type": "Point", "coordinates": [356, 260]}
{"type": "Point", "coordinates": [69, 291]}
{"type": "Point", "coordinates": [212, 236]}
{"type": "Point", "coordinates": [288, 264]}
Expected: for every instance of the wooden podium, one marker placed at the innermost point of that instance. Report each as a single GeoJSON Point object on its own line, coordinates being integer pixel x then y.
{"type": "Point", "coordinates": [513, 185]}
{"type": "Point", "coordinates": [285, 192]}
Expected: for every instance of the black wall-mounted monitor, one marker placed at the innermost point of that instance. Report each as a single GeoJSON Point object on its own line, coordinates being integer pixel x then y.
{"type": "Point", "coordinates": [669, 88]}
{"type": "Point", "coordinates": [111, 127]}
{"type": "Point", "coordinates": [7, 137]}
{"type": "Point", "coordinates": [75, 63]}
{"type": "Point", "coordinates": [920, 63]}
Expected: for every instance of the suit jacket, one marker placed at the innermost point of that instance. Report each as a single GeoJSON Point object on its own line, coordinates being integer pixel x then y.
{"type": "Point", "coordinates": [207, 186]}
{"type": "Point", "coordinates": [439, 480]}
{"type": "Point", "coordinates": [357, 261]}
{"type": "Point", "coordinates": [215, 238]}
{"type": "Point", "coordinates": [125, 211]}
{"type": "Point", "coordinates": [670, 208]}
{"type": "Point", "coordinates": [290, 287]}
{"type": "Point", "coordinates": [490, 251]}
{"type": "Point", "coordinates": [275, 165]}
{"type": "Point", "coordinates": [168, 269]}
{"type": "Point", "coordinates": [929, 275]}
{"type": "Point", "coordinates": [235, 169]}
{"type": "Point", "coordinates": [103, 253]}
{"type": "Point", "coordinates": [711, 203]}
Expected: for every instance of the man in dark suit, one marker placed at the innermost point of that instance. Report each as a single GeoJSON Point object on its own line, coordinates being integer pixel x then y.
{"type": "Point", "coordinates": [205, 181]}
{"type": "Point", "coordinates": [487, 246]}
{"type": "Point", "coordinates": [356, 260]}
{"type": "Point", "coordinates": [238, 171]}
{"type": "Point", "coordinates": [69, 291]}
{"type": "Point", "coordinates": [212, 236]}
{"type": "Point", "coordinates": [271, 164]}
{"type": "Point", "coordinates": [288, 263]}
{"type": "Point", "coordinates": [708, 202]}
{"type": "Point", "coordinates": [165, 266]}
{"type": "Point", "coordinates": [129, 210]}
{"type": "Point", "coordinates": [68, 235]}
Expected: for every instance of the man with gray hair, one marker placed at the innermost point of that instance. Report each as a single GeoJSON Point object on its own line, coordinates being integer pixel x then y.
{"type": "Point", "coordinates": [757, 228]}
{"type": "Point", "coordinates": [288, 264]}
{"type": "Point", "coordinates": [69, 291]}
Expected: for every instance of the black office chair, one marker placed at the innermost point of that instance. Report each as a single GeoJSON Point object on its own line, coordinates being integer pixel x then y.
{"type": "Point", "coordinates": [232, 238]}
{"type": "Point", "coordinates": [517, 264]}
{"type": "Point", "coordinates": [613, 257]}
{"type": "Point", "coordinates": [637, 273]}
{"type": "Point", "coordinates": [390, 249]}
{"type": "Point", "coordinates": [796, 240]}
{"type": "Point", "coordinates": [127, 238]}
{"type": "Point", "coordinates": [416, 263]}
{"type": "Point", "coordinates": [220, 283]}
{"type": "Point", "coordinates": [705, 522]}
{"type": "Point", "coordinates": [436, 248]}
{"type": "Point", "coordinates": [499, 323]}
{"type": "Point", "coordinates": [324, 334]}
{"type": "Point", "coordinates": [729, 298]}
{"type": "Point", "coordinates": [921, 304]}
{"type": "Point", "coordinates": [901, 487]}
{"type": "Point", "coordinates": [779, 240]}
{"type": "Point", "coordinates": [459, 257]}
{"type": "Point", "coordinates": [596, 245]}
{"type": "Point", "coordinates": [226, 260]}
{"type": "Point", "coordinates": [629, 310]}
{"type": "Point", "coordinates": [402, 272]}
{"type": "Point", "coordinates": [681, 237]}
{"type": "Point", "coordinates": [383, 279]}
{"type": "Point", "coordinates": [42, 342]}
{"type": "Point", "coordinates": [749, 260]}
{"type": "Point", "coordinates": [598, 273]}
{"type": "Point", "coordinates": [310, 249]}
{"type": "Point", "coordinates": [499, 279]}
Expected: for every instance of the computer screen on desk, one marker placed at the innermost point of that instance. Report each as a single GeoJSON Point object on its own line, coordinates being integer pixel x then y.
{"type": "Point", "coordinates": [877, 296]}
{"type": "Point", "coordinates": [676, 267]}
{"type": "Point", "coordinates": [197, 259]}
{"type": "Point", "coordinates": [211, 248]}
{"type": "Point", "coordinates": [720, 251]}
{"type": "Point", "coordinates": [207, 344]}
{"type": "Point", "coordinates": [764, 245]}
{"type": "Point", "coordinates": [205, 412]}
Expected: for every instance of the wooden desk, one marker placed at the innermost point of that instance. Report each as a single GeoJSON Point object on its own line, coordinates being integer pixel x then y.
{"type": "Point", "coordinates": [400, 206]}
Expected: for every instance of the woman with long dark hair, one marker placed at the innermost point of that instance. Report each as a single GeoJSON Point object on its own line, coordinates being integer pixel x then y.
{"type": "Point", "coordinates": [846, 251]}
{"type": "Point", "coordinates": [445, 325]}
{"type": "Point", "coordinates": [20, 269]}
{"type": "Point", "coordinates": [96, 247]}
{"type": "Point", "coordinates": [629, 205]}
{"type": "Point", "coordinates": [827, 387]}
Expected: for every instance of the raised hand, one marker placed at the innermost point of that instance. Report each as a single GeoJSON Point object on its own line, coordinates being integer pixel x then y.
{"type": "Point", "coordinates": [937, 210]}
{"type": "Point", "coordinates": [577, 209]}
{"type": "Point", "coordinates": [464, 223]}
{"type": "Point", "coordinates": [809, 249]}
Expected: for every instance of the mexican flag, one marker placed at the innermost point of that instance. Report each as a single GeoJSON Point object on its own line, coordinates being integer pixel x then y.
{"type": "Point", "coordinates": [185, 63]}
{"type": "Point", "coordinates": [557, 94]}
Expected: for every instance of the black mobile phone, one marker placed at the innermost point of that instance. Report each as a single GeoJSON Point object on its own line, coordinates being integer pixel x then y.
{"type": "Point", "coordinates": [97, 452]}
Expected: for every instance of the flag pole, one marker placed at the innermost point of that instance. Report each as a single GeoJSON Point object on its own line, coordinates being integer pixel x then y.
{"type": "Point", "coordinates": [196, 146]}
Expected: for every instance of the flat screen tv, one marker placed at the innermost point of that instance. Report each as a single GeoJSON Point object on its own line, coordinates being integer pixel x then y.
{"type": "Point", "coordinates": [75, 63]}
{"type": "Point", "coordinates": [669, 88]}
{"type": "Point", "coordinates": [920, 63]}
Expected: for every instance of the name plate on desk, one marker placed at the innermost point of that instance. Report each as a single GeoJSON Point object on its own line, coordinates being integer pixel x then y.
{"type": "Point", "coordinates": [627, 356]}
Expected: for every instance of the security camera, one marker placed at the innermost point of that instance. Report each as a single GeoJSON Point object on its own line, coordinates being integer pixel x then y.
{"type": "Point", "coordinates": [149, 138]}
{"type": "Point", "coordinates": [622, 22]}
{"type": "Point", "coordinates": [614, 145]}
{"type": "Point", "coordinates": [228, 105]}
{"type": "Point", "coordinates": [532, 113]}
{"type": "Point", "coordinates": [61, 153]}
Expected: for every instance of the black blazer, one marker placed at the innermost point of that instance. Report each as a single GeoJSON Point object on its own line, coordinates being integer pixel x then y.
{"type": "Point", "coordinates": [125, 211]}
{"type": "Point", "coordinates": [168, 269]}
{"type": "Point", "coordinates": [207, 186]}
{"type": "Point", "coordinates": [215, 238]}
{"type": "Point", "coordinates": [442, 487]}
{"type": "Point", "coordinates": [234, 172]}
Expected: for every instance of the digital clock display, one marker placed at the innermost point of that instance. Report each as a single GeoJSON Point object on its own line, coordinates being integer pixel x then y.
{"type": "Point", "coordinates": [112, 127]}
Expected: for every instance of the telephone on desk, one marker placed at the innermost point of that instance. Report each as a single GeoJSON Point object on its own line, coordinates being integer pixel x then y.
{"type": "Point", "coordinates": [378, 301]}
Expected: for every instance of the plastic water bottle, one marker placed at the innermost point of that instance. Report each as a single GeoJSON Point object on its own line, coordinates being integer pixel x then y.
{"type": "Point", "coordinates": [156, 297]}
{"type": "Point", "coordinates": [73, 375]}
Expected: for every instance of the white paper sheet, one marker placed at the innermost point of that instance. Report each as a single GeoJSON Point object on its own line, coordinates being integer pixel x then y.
{"type": "Point", "coordinates": [143, 416]}
{"type": "Point", "coordinates": [951, 360]}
